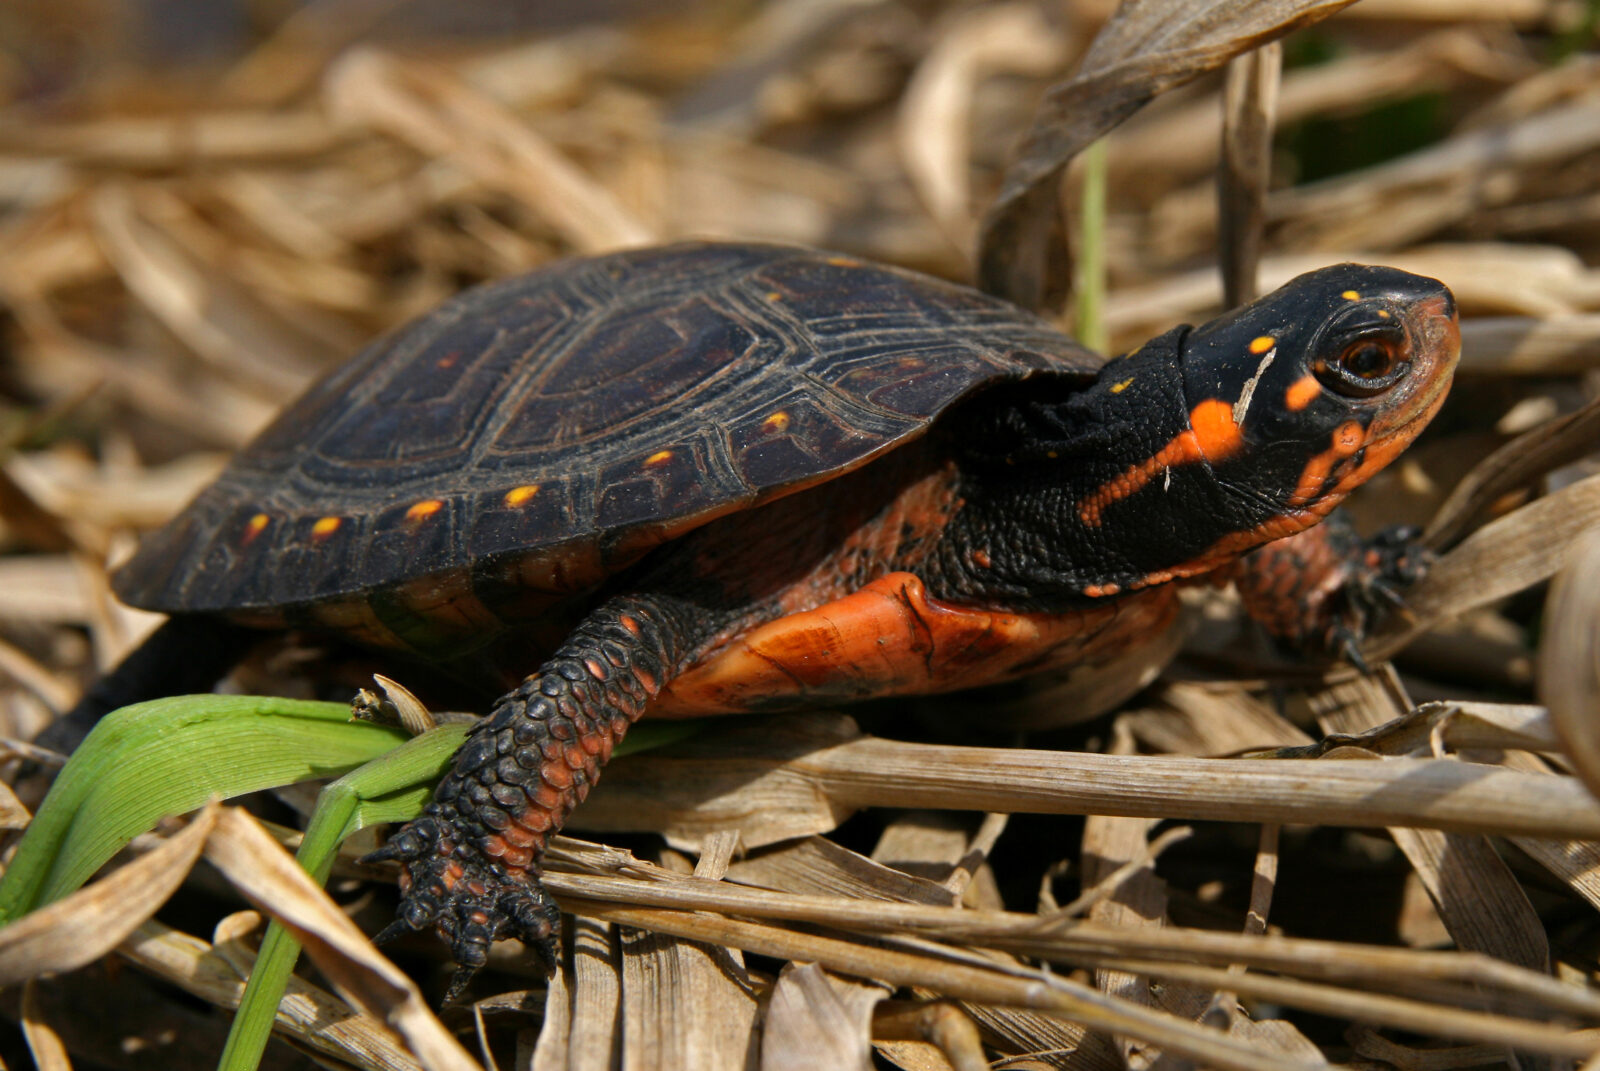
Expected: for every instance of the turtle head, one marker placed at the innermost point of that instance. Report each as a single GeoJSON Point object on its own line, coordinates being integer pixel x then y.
{"type": "Point", "coordinates": [1299, 397]}
{"type": "Point", "coordinates": [1206, 442]}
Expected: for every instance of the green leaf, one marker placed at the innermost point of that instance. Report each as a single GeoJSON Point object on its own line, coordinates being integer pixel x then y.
{"type": "Point", "coordinates": [169, 756]}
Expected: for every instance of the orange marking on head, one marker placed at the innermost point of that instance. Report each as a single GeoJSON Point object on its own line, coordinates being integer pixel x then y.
{"type": "Point", "coordinates": [1262, 344]}
{"type": "Point", "coordinates": [325, 528]}
{"type": "Point", "coordinates": [1212, 436]}
{"type": "Point", "coordinates": [1347, 439]}
{"type": "Point", "coordinates": [776, 422]}
{"type": "Point", "coordinates": [981, 559]}
{"type": "Point", "coordinates": [1217, 435]}
{"type": "Point", "coordinates": [1302, 392]}
{"type": "Point", "coordinates": [517, 496]}
{"type": "Point", "coordinates": [660, 457]}
{"type": "Point", "coordinates": [447, 361]}
{"type": "Point", "coordinates": [423, 510]}
{"type": "Point", "coordinates": [1118, 388]}
{"type": "Point", "coordinates": [257, 525]}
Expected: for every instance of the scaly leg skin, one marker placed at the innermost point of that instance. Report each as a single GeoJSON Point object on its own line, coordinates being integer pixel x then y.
{"type": "Point", "coordinates": [471, 861]}
{"type": "Point", "coordinates": [1324, 590]}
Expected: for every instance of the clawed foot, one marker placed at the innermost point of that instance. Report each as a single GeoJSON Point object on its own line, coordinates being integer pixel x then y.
{"type": "Point", "coordinates": [1374, 587]}
{"type": "Point", "coordinates": [468, 902]}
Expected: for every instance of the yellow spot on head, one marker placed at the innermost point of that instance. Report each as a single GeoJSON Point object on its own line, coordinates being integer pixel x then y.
{"type": "Point", "coordinates": [1383, 314]}
{"type": "Point", "coordinates": [773, 295]}
{"type": "Point", "coordinates": [423, 510]}
{"type": "Point", "coordinates": [1261, 345]}
{"type": "Point", "coordinates": [660, 457]}
{"type": "Point", "coordinates": [1051, 454]}
{"type": "Point", "coordinates": [256, 526]}
{"type": "Point", "coordinates": [325, 527]}
{"type": "Point", "coordinates": [1118, 388]}
{"type": "Point", "coordinates": [844, 262]}
{"type": "Point", "coordinates": [776, 422]}
{"type": "Point", "coordinates": [519, 495]}
{"type": "Point", "coordinates": [1351, 295]}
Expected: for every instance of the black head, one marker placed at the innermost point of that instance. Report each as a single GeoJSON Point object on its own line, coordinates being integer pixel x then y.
{"type": "Point", "coordinates": [1307, 392]}
{"type": "Point", "coordinates": [1209, 441]}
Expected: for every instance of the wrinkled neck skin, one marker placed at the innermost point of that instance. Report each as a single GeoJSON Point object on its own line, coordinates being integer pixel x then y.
{"type": "Point", "coordinates": [1074, 496]}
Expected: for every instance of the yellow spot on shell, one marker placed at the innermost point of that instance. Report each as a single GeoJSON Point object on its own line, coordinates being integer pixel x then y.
{"type": "Point", "coordinates": [1118, 388]}
{"type": "Point", "coordinates": [325, 527]}
{"type": "Point", "coordinates": [660, 457]}
{"type": "Point", "coordinates": [423, 510]}
{"type": "Point", "coordinates": [844, 262]}
{"type": "Point", "coordinates": [256, 526]}
{"type": "Point", "coordinates": [1351, 295]}
{"type": "Point", "coordinates": [519, 495]}
{"type": "Point", "coordinates": [776, 422]}
{"type": "Point", "coordinates": [1261, 345]}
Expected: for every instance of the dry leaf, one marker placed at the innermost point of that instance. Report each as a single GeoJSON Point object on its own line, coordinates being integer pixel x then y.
{"type": "Point", "coordinates": [1146, 48]}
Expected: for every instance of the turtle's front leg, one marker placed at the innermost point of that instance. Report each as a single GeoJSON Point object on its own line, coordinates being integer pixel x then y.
{"type": "Point", "coordinates": [472, 859]}
{"type": "Point", "coordinates": [1324, 590]}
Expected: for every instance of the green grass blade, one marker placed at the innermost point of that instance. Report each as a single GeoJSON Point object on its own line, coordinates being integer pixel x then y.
{"type": "Point", "coordinates": [1090, 325]}
{"type": "Point", "coordinates": [169, 756]}
{"type": "Point", "coordinates": [392, 788]}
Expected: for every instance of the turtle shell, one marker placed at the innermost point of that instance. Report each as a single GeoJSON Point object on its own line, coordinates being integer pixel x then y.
{"type": "Point", "coordinates": [570, 419]}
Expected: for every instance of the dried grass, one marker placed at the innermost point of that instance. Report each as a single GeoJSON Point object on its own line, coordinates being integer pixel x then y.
{"type": "Point", "coordinates": [180, 254]}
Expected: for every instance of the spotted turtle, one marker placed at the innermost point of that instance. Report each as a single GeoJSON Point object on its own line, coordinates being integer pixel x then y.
{"type": "Point", "coordinates": [711, 478]}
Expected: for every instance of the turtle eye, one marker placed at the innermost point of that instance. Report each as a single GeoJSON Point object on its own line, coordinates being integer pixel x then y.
{"type": "Point", "coordinates": [1365, 367]}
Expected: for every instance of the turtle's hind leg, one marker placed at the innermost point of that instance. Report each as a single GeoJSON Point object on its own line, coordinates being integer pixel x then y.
{"type": "Point", "coordinates": [472, 859]}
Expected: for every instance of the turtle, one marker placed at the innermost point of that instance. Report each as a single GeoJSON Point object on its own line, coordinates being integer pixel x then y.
{"type": "Point", "coordinates": [723, 477]}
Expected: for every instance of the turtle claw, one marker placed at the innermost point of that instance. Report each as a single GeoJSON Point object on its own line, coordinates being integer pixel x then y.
{"type": "Point", "coordinates": [468, 901]}
{"type": "Point", "coordinates": [1347, 644]}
